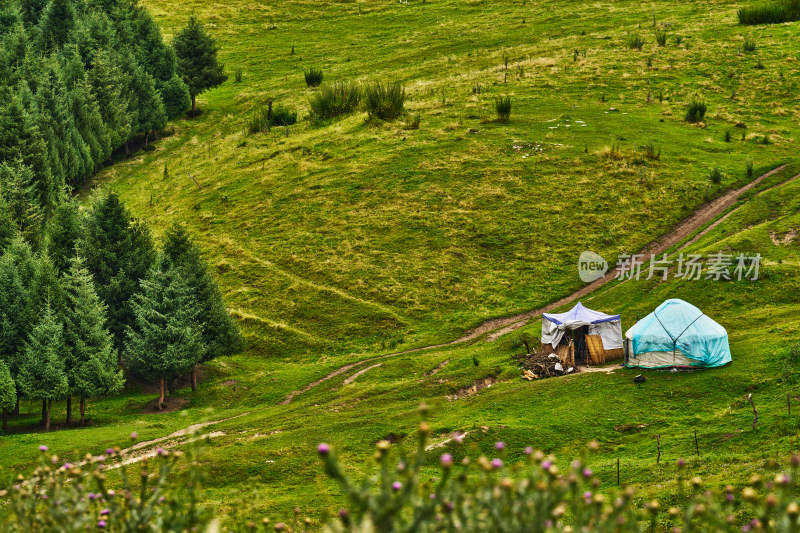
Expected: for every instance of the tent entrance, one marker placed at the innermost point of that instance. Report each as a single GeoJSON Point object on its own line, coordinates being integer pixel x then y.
{"type": "Point", "coordinates": [577, 338]}
{"type": "Point", "coordinates": [581, 348]}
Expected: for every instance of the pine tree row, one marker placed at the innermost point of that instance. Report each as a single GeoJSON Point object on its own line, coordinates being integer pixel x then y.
{"type": "Point", "coordinates": [97, 299]}
{"type": "Point", "coordinates": [78, 80]}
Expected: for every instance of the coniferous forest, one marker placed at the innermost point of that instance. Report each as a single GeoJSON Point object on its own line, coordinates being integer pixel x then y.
{"type": "Point", "coordinates": [86, 296]}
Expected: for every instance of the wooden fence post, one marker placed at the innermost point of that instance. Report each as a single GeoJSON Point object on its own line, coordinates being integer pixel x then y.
{"type": "Point", "coordinates": [755, 413]}
{"type": "Point", "coordinates": [658, 447]}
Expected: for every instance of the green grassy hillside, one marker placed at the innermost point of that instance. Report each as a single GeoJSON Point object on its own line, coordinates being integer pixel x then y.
{"type": "Point", "coordinates": [351, 239]}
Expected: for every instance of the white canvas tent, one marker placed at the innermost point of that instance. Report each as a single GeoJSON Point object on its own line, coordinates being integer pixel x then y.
{"type": "Point", "coordinates": [582, 322]}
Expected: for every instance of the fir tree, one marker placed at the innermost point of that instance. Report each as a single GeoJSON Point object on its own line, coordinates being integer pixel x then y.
{"type": "Point", "coordinates": [221, 335]}
{"type": "Point", "coordinates": [41, 375]}
{"type": "Point", "coordinates": [17, 269]}
{"type": "Point", "coordinates": [166, 339]}
{"type": "Point", "coordinates": [118, 252]}
{"type": "Point", "coordinates": [18, 188]}
{"type": "Point", "coordinates": [57, 21]}
{"type": "Point", "coordinates": [196, 52]}
{"type": "Point", "coordinates": [8, 394]}
{"type": "Point", "coordinates": [8, 229]}
{"type": "Point", "coordinates": [63, 233]}
{"type": "Point", "coordinates": [149, 108]}
{"type": "Point", "coordinates": [91, 361]}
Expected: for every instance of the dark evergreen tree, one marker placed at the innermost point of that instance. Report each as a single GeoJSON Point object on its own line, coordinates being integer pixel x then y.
{"type": "Point", "coordinates": [176, 97]}
{"type": "Point", "coordinates": [41, 374]}
{"type": "Point", "coordinates": [63, 233]}
{"type": "Point", "coordinates": [91, 361]}
{"type": "Point", "coordinates": [8, 229]}
{"type": "Point", "coordinates": [108, 83]}
{"type": "Point", "coordinates": [166, 339]}
{"type": "Point", "coordinates": [19, 190]}
{"type": "Point", "coordinates": [118, 252]}
{"type": "Point", "coordinates": [8, 394]}
{"type": "Point", "coordinates": [17, 268]}
{"type": "Point", "coordinates": [56, 23]}
{"type": "Point", "coordinates": [31, 11]}
{"type": "Point", "coordinates": [196, 52]}
{"type": "Point", "coordinates": [221, 335]}
{"type": "Point", "coordinates": [149, 108]}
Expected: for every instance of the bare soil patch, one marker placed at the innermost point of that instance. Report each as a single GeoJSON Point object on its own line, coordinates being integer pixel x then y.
{"type": "Point", "coordinates": [477, 385]}
{"type": "Point", "coordinates": [172, 403]}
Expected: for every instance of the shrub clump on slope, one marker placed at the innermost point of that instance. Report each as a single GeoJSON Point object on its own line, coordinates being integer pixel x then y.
{"type": "Point", "coordinates": [334, 100]}
{"type": "Point", "coordinates": [770, 13]}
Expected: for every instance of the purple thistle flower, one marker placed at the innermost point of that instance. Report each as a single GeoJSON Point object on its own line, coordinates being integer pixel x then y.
{"type": "Point", "coordinates": [101, 524]}
{"type": "Point", "coordinates": [528, 450]}
{"type": "Point", "coordinates": [447, 460]}
{"type": "Point", "coordinates": [42, 448]}
{"type": "Point", "coordinates": [109, 451]}
{"type": "Point", "coordinates": [497, 463]}
{"type": "Point", "coordinates": [458, 437]}
{"type": "Point", "coordinates": [433, 496]}
{"type": "Point", "coordinates": [681, 463]}
{"type": "Point", "coordinates": [134, 435]}
{"type": "Point", "coordinates": [499, 445]}
{"type": "Point", "coordinates": [587, 473]}
{"type": "Point", "coordinates": [546, 465]}
{"type": "Point", "coordinates": [44, 496]}
{"type": "Point", "coordinates": [587, 496]}
{"type": "Point", "coordinates": [161, 499]}
{"type": "Point", "coordinates": [343, 513]}
{"type": "Point", "coordinates": [92, 495]}
{"type": "Point", "coordinates": [160, 451]}
{"type": "Point", "coordinates": [397, 486]}
{"type": "Point", "coordinates": [67, 466]}
{"type": "Point", "coordinates": [323, 449]}
{"type": "Point", "coordinates": [729, 497]}
{"type": "Point", "coordinates": [104, 512]}
{"type": "Point", "coordinates": [111, 493]}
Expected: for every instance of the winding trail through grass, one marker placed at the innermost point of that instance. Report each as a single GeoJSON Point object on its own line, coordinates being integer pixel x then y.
{"type": "Point", "coordinates": [496, 327]}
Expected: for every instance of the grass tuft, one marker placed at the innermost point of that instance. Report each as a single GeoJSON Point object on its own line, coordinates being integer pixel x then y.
{"type": "Point", "coordinates": [770, 13]}
{"type": "Point", "coordinates": [661, 37]}
{"type": "Point", "coordinates": [715, 176]}
{"type": "Point", "coordinates": [335, 100]}
{"type": "Point", "coordinates": [265, 118]}
{"type": "Point", "coordinates": [313, 77]}
{"type": "Point", "coordinates": [385, 101]}
{"type": "Point", "coordinates": [502, 106]}
{"type": "Point", "coordinates": [696, 111]}
{"type": "Point", "coordinates": [635, 41]}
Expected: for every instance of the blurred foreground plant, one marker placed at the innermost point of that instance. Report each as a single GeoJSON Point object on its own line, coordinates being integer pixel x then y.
{"type": "Point", "coordinates": [162, 496]}
{"type": "Point", "coordinates": [488, 495]}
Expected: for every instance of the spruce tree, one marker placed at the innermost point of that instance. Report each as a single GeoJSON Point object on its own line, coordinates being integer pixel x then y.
{"type": "Point", "coordinates": [118, 251]}
{"type": "Point", "coordinates": [8, 394]}
{"type": "Point", "coordinates": [149, 107]}
{"type": "Point", "coordinates": [91, 361]}
{"type": "Point", "coordinates": [221, 334]}
{"type": "Point", "coordinates": [57, 21]}
{"type": "Point", "coordinates": [17, 268]}
{"type": "Point", "coordinates": [8, 229]}
{"type": "Point", "coordinates": [196, 53]}
{"type": "Point", "coordinates": [166, 339]}
{"type": "Point", "coordinates": [63, 233]}
{"type": "Point", "coordinates": [41, 375]}
{"type": "Point", "coordinates": [18, 188]}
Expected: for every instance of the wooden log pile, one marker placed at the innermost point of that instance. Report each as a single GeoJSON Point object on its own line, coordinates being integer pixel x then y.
{"type": "Point", "coordinates": [543, 365]}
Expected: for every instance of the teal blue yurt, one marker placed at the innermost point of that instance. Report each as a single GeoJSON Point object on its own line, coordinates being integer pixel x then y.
{"type": "Point", "coordinates": [676, 334]}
